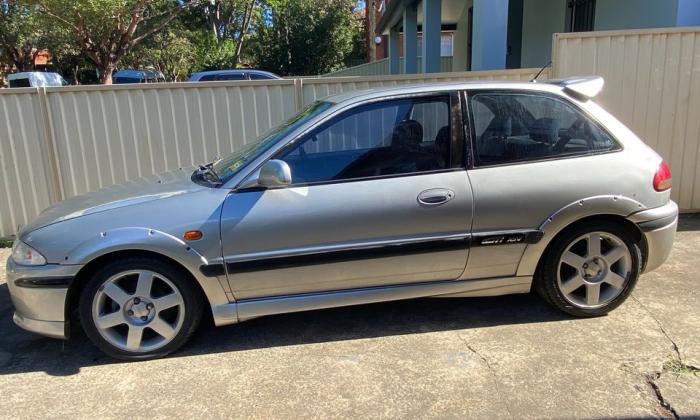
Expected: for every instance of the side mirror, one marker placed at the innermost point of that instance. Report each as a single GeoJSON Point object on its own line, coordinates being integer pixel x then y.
{"type": "Point", "coordinates": [275, 173]}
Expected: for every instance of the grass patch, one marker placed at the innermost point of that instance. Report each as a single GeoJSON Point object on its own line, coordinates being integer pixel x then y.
{"type": "Point", "coordinates": [5, 243]}
{"type": "Point", "coordinates": [679, 368]}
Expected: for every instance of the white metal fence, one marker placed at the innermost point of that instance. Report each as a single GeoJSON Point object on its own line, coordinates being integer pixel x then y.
{"type": "Point", "coordinates": [59, 142]}
{"type": "Point", "coordinates": [652, 84]}
{"type": "Point", "coordinates": [63, 141]}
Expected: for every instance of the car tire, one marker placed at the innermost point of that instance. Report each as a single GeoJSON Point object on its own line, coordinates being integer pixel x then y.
{"type": "Point", "coordinates": [140, 308]}
{"type": "Point", "coordinates": [579, 281]}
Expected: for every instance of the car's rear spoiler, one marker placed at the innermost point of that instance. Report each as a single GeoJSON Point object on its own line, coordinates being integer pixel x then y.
{"type": "Point", "coordinates": [581, 87]}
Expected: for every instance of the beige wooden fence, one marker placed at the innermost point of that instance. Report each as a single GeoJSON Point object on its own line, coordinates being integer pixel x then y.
{"type": "Point", "coordinates": [652, 84]}
{"type": "Point", "coordinates": [58, 142]}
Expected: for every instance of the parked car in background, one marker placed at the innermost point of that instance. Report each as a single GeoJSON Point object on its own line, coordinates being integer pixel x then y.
{"type": "Point", "coordinates": [137, 76]}
{"type": "Point", "coordinates": [240, 74]}
{"type": "Point", "coordinates": [35, 79]}
{"type": "Point", "coordinates": [450, 190]}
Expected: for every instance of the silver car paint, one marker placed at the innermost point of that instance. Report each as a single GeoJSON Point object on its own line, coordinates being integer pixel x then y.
{"type": "Point", "coordinates": [152, 214]}
{"type": "Point", "coordinates": [166, 207]}
{"type": "Point", "coordinates": [318, 218]}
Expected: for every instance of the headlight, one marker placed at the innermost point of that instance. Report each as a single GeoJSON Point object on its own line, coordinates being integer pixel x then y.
{"type": "Point", "coordinates": [23, 254]}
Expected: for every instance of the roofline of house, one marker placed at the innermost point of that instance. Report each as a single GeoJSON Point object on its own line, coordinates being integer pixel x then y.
{"type": "Point", "coordinates": [392, 15]}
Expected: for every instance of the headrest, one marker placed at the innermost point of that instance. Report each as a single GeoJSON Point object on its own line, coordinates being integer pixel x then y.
{"type": "Point", "coordinates": [442, 139]}
{"type": "Point", "coordinates": [408, 133]}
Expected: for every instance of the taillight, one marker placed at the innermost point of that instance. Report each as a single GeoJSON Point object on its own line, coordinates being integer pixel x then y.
{"type": "Point", "coordinates": [662, 177]}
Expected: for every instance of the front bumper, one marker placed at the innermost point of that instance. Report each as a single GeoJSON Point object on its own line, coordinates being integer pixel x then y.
{"type": "Point", "coordinates": [39, 296]}
{"type": "Point", "coordinates": [658, 226]}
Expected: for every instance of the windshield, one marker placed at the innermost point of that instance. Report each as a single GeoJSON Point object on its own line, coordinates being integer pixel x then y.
{"type": "Point", "coordinates": [227, 167]}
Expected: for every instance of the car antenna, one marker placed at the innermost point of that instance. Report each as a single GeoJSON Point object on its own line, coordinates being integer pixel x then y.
{"type": "Point", "coordinates": [534, 79]}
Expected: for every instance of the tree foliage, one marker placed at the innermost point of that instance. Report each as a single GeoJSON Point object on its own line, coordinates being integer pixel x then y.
{"type": "Point", "coordinates": [169, 51]}
{"type": "Point", "coordinates": [229, 22]}
{"type": "Point", "coordinates": [304, 37]}
{"type": "Point", "coordinates": [20, 31]}
{"type": "Point", "coordinates": [178, 37]}
{"type": "Point", "coordinates": [106, 30]}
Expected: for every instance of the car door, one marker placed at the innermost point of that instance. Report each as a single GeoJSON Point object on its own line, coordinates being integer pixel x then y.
{"type": "Point", "coordinates": [533, 154]}
{"type": "Point", "coordinates": [379, 196]}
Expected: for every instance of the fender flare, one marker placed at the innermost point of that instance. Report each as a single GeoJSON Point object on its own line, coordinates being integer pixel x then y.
{"type": "Point", "coordinates": [601, 205]}
{"type": "Point", "coordinates": [145, 239]}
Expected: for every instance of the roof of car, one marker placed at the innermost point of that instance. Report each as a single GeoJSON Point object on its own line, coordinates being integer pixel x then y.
{"type": "Point", "coordinates": [380, 92]}
{"type": "Point", "coordinates": [197, 75]}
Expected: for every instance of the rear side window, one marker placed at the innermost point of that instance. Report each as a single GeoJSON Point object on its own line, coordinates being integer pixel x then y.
{"type": "Point", "coordinates": [208, 78]}
{"type": "Point", "coordinates": [23, 82]}
{"type": "Point", "coordinates": [231, 76]}
{"type": "Point", "coordinates": [515, 127]}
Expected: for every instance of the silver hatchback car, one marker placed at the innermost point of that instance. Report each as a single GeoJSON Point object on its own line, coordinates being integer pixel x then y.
{"type": "Point", "coordinates": [463, 189]}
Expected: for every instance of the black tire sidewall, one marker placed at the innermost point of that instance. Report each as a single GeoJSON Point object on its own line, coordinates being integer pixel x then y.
{"type": "Point", "coordinates": [190, 295]}
{"type": "Point", "coordinates": [547, 286]}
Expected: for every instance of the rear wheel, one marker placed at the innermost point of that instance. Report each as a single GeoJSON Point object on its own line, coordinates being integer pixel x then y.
{"type": "Point", "coordinates": [590, 269]}
{"type": "Point", "coordinates": [139, 308]}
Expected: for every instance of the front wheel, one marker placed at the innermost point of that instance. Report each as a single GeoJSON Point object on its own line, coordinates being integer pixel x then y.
{"type": "Point", "coordinates": [590, 269]}
{"type": "Point", "coordinates": [139, 308]}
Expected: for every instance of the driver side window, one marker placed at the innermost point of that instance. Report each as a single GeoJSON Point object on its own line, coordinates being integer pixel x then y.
{"type": "Point", "coordinates": [523, 127]}
{"type": "Point", "coordinates": [395, 137]}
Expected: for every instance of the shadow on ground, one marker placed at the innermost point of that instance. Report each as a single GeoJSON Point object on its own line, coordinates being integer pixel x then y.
{"type": "Point", "coordinates": [689, 222]}
{"type": "Point", "coordinates": [22, 352]}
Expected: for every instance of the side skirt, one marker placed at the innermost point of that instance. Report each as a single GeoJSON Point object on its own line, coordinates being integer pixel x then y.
{"type": "Point", "coordinates": [253, 308]}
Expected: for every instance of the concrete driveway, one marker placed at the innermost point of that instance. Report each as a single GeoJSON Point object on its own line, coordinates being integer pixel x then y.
{"type": "Point", "coordinates": [506, 357]}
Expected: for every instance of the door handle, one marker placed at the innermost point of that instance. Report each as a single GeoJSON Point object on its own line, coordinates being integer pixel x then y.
{"type": "Point", "coordinates": [435, 197]}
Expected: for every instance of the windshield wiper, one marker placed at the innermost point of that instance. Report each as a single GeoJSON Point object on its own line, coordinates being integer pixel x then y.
{"type": "Point", "coordinates": [208, 174]}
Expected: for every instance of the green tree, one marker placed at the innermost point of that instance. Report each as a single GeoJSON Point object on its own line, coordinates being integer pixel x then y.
{"type": "Point", "coordinates": [358, 54]}
{"type": "Point", "coordinates": [305, 37]}
{"type": "Point", "coordinates": [170, 51]}
{"type": "Point", "coordinates": [69, 61]}
{"type": "Point", "coordinates": [107, 30]}
{"type": "Point", "coordinates": [229, 21]}
{"type": "Point", "coordinates": [21, 32]}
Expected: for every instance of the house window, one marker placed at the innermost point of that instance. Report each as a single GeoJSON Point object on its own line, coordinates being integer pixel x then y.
{"type": "Point", "coordinates": [580, 15]}
{"type": "Point", "coordinates": [446, 43]}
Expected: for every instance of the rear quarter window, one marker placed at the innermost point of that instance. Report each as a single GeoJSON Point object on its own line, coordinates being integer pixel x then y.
{"type": "Point", "coordinates": [521, 127]}
{"type": "Point", "coordinates": [256, 76]}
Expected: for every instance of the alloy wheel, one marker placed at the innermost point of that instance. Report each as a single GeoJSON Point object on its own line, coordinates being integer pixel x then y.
{"type": "Point", "coordinates": [138, 311]}
{"type": "Point", "coordinates": [594, 269]}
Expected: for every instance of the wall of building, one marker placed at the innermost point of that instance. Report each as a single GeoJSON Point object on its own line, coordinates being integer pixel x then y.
{"type": "Point", "coordinates": [515, 34]}
{"type": "Point", "coordinates": [489, 39]}
{"type": "Point", "coordinates": [688, 13]}
{"type": "Point", "coordinates": [460, 60]}
{"type": "Point", "coordinates": [635, 14]}
{"type": "Point", "coordinates": [541, 19]}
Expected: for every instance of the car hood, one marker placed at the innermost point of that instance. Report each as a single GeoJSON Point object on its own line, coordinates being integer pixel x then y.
{"type": "Point", "coordinates": [154, 187]}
